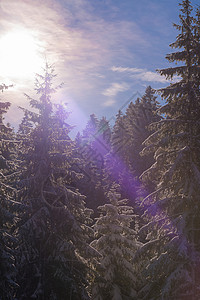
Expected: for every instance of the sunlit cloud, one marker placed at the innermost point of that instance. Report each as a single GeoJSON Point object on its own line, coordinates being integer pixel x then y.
{"type": "Point", "coordinates": [78, 42]}
{"type": "Point", "coordinates": [115, 88]}
{"type": "Point", "coordinates": [83, 44]}
{"type": "Point", "coordinates": [126, 69]}
{"type": "Point", "coordinates": [112, 91]}
{"type": "Point", "coordinates": [140, 74]}
{"type": "Point", "coordinates": [73, 38]}
{"type": "Point", "coordinates": [109, 102]}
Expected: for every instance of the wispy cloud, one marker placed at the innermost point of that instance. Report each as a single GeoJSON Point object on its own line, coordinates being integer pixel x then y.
{"type": "Point", "coordinates": [112, 92]}
{"type": "Point", "coordinates": [109, 102]}
{"type": "Point", "coordinates": [126, 69]}
{"type": "Point", "coordinates": [84, 43]}
{"type": "Point", "coordinates": [79, 42]}
{"type": "Point", "coordinates": [71, 35]}
{"type": "Point", "coordinates": [115, 88]}
{"type": "Point", "coordinates": [140, 74]}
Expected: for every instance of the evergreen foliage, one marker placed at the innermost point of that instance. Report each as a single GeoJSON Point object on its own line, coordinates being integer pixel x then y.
{"type": "Point", "coordinates": [174, 204]}
{"type": "Point", "coordinates": [124, 163]}
{"type": "Point", "coordinates": [116, 167]}
{"type": "Point", "coordinates": [54, 226]}
{"type": "Point", "coordinates": [8, 208]}
{"type": "Point", "coordinates": [116, 242]}
{"type": "Point", "coordinates": [137, 120]}
{"type": "Point", "coordinates": [91, 147]}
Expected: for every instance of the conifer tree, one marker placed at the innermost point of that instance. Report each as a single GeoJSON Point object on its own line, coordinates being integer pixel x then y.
{"type": "Point", "coordinates": [88, 150]}
{"type": "Point", "coordinates": [103, 136]}
{"type": "Point", "coordinates": [90, 131]}
{"type": "Point", "coordinates": [138, 117]}
{"type": "Point", "coordinates": [173, 231]}
{"type": "Point", "coordinates": [54, 226]}
{"type": "Point", "coordinates": [7, 210]}
{"type": "Point", "coordinates": [124, 162]}
{"type": "Point", "coordinates": [196, 75]}
{"type": "Point", "coordinates": [91, 148]}
{"type": "Point", "coordinates": [116, 242]}
{"type": "Point", "coordinates": [116, 158]}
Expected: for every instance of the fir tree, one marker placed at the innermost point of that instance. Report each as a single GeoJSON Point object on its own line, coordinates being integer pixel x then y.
{"type": "Point", "coordinates": [91, 148]}
{"type": "Point", "coordinates": [124, 163]}
{"type": "Point", "coordinates": [174, 205]}
{"type": "Point", "coordinates": [103, 136]}
{"type": "Point", "coordinates": [196, 75]}
{"type": "Point", "coordinates": [138, 117]}
{"type": "Point", "coordinates": [54, 226]}
{"type": "Point", "coordinates": [90, 131]}
{"type": "Point", "coordinates": [115, 160]}
{"type": "Point", "coordinates": [115, 240]}
{"type": "Point", "coordinates": [7, 210]}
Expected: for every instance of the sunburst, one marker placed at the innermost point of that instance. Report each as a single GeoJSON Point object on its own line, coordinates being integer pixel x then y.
{"type": "Point", "coordinates": [20, 54]}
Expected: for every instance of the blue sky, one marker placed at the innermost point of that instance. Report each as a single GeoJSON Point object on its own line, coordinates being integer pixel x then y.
{"type": "Point", "coordinates": [103, 50]}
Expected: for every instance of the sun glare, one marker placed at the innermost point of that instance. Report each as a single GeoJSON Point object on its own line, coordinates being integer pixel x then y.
{"type": "Point", "coordinates": [19, 55]}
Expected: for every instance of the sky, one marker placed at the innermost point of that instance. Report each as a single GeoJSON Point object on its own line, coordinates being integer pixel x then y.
{"type": "Point", "coordinates": [104, 51]}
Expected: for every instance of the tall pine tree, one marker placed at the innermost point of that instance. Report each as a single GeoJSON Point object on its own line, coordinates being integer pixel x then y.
{"type": "Point", "coordinates": [174, 205]}
{"type": "Point", "coordinates": [7, 209]}
{"type": "Point", "coordinates": [54, 227]}
{"type": "Point", "coordinates": [116, 274]}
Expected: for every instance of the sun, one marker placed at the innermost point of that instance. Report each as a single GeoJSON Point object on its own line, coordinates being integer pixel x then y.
{"type": "Point", "coordinates": [20, 54]}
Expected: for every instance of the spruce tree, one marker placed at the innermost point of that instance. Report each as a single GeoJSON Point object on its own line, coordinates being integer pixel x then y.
{"type": "Point", "coordinates": [116, 274]}
{"type": "Point", "coordinates": [196, 75]}
{"type": "Point", "coordinates": [174, 229]}
{"type": "Point", "coordinates": [7, 209]}
{"type": "Point", "coordinates": [124, 163]}
{"type": "Point", "coordinates": [103, 136]}
{"type": "Point", "coordinates": [138, 117]}
{"type": "Point", "coordinates": [91, 148]}
{"type": "Point", "coordinates": [54, 227]}
{"type": "Point", "coordinates": [90, 131]}
{"type": "Point", "coordinates": [115, 160]}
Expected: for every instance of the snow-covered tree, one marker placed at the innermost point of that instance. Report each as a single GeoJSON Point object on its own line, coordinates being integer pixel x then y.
{"type": "Point", "coordinates": [116, 274]}
{"type": "Point", "coordinates": [119, 137]}
{"type": "Point", "coordinates": [124, 163]}
{"type": "Point", "coordinates": [174, 205]}
{"type": "Point", "coordinates": [115, 161]}
{"type": "Point", "coordinates": [91, 148]}
{"type": "Point", "coordinates": [138, 117]}
{"type": "Point", "coordinates": [54, 227]}
{"type": "Point", "coordinates": [7, 210]}
{"type": "Point", "coordinates": [196, 75]}
{"type": "Point", "coordinates": [90, 131]}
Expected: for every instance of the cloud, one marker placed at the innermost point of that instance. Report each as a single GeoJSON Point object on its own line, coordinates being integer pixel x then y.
{"type": "Point", "coordinates": [82, 44]}
{"type": "Point", "coordinates": [71, 35]}
{"type": "Point", "coordinates": [112, 91]}
{"type": "Point", "coordinates": [126, 69]}
{"type": "Point", "coordinates": [140, 74]}
{"type": "Point", "coordinates": [115, 88]}
{"type": "Point", "coordinates": [109, 102]}
{"type": "Point", "coordinates": [79, 42]}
